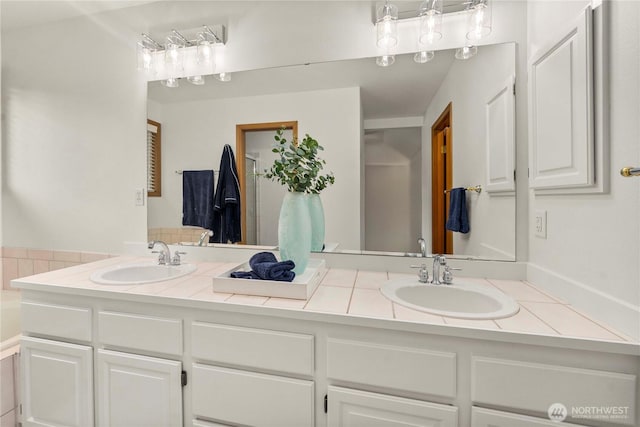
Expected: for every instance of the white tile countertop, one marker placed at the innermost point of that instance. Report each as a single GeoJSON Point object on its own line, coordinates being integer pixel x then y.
{"type": "Point", "coordinates": [353, 297]}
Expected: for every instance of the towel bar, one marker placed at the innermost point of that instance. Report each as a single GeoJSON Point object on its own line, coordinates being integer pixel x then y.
{"type": "Point", "coordinates": [477, 189]}
{"type": "Point", "coordinates": [629, 171]}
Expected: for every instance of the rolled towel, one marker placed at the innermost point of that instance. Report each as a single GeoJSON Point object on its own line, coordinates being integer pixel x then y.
{"type": "Point", "coordinates": [267, 267]}
{"type": "Point", "coordinates": [245, 275]}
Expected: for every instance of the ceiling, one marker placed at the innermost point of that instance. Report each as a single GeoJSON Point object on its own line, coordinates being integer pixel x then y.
{"type": "Point", "coordinates": [26, 13]}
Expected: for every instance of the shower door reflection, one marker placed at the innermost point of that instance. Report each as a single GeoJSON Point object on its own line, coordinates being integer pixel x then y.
{"type": "Point", "coordinates": [251, 200]}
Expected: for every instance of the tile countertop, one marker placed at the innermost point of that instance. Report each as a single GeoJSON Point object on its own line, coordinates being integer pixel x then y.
{"type": "Point", "coordinates": [353, 297]}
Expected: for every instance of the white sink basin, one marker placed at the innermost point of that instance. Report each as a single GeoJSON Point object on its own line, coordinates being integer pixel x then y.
{"type": "Point", "coordinates": [135, 274]}
{"type": "Point", "coordinates": [463, 300]}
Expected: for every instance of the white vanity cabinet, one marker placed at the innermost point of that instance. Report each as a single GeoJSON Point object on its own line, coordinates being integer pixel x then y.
{"type": "Point", "coordinates": [134, 390]}
{"type": "Point", "coordinates": [57, 383]}
{"type": "Point", "coordinates": [119, 359]}
{"type": "Point", "coordinates": [396, 370]}
{"type": "Point", "coordinates": [355, 408]}
{"type": "Point", "coordinates": [270, 381]}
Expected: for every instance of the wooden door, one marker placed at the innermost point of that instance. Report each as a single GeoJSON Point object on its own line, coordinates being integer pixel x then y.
{"type": "Point", "coordinates": [241, 152]}
{"type": "Point", "coordinates": [441, 180]}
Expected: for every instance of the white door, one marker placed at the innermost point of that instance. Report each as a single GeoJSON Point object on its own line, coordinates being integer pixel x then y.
{"type": "Point", "coordinates": [355, 408]}
{"type": "Point", "coordinates": [57, 383]}
{"type": "Point", "coordinates": [134, 390]}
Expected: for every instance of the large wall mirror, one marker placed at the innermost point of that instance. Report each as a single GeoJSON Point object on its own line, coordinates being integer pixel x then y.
{"type": "Point", "coordinates": [396, 139]}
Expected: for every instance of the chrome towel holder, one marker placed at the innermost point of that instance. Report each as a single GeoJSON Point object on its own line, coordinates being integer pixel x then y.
{"type": "Point", "coordinates": [477, 189]}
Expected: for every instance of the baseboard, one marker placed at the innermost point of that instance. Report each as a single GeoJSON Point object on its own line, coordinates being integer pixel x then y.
{"type": "Point", "coordinates": [621, 315]}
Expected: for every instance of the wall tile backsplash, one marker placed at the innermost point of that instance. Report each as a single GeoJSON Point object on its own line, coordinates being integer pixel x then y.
{"type": "Point", "coordinates": [21, 262]}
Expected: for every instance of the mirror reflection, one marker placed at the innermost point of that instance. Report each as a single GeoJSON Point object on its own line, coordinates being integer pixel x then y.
{"type": "Point", "coordinates": [397, 139]}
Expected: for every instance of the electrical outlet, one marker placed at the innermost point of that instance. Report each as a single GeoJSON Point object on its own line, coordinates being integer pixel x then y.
{"type": "Point", "coordinates": [139, 197]}
{"type": "Point", "coordinates": [540, 224]}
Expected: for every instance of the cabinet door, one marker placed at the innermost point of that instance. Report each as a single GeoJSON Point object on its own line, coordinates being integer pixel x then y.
{"type": "Point", "coordinates": [57, 383]}
{"type": "Point", "coordinates": [139, 391]}
{"type": "Point", "coordinates": [481, 417]}
{"type": "Point", "coordinates": [354, 408]}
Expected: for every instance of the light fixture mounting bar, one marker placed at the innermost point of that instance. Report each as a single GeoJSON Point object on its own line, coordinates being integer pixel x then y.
{"type": "Point", "coordinates": [181, 37]}
{"type": "Point", "coordinates": [151, 43]}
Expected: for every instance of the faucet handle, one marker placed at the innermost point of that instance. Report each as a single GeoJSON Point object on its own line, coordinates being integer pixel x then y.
{"type": "Point", "coordinates": [423, 274]}
{"type": "Point", "coordinates": [161, 257]}
{"type": "Point", "coordinates": [447, 275]}
{"type": "Point", "coordinates": [176, 257]}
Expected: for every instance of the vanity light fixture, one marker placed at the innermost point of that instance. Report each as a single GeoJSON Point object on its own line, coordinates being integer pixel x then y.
{"type": "Point", "coordinates": [196, 80]}
{"type": "Point", "coordinates": [170, 82]}
{"type": "Point", "coordinates": [466, 52]}
{"type": "Point", "coordinates": [224, 77]}
{"type": "Point", "coordinates": [479, 19]}
{"type": "Point", "coordinates": [385, 60]}
{"type": "Point", "coordinates": [429, 16]}
{"type": "Point", "coordinates": [387, 26]}
{"type": "Point", "coordinates": [146, 48]}
{"type": "Point", "coordinates": [423, 56]}
{"type": "Point", "coordinates": [186, 53]}
{"type": "Point", "coordinates": [430, 13]}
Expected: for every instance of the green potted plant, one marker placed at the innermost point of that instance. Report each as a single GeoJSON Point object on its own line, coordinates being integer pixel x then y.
{"type": "Point", "coordinates": [301, 222]}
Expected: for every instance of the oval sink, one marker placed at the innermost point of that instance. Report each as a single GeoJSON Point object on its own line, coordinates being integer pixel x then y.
{"type": "Point", "coordinates": [463, 300]}
{"type": "Point", "coordinates": [136, 274]}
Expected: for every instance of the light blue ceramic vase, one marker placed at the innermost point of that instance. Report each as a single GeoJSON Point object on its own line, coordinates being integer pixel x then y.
{"type": "Point", "coordinates": [316, 212]}
{"type": "Point", "coordinates": [294, 230]}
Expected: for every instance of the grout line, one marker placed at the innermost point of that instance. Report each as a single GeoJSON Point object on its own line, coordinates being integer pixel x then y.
{"type": "Point", "coordinates": [541, 319]}
{"type": "Point", "coordinates": [531, 285]}
{"type": "Point", "coordinates": [570, 307]}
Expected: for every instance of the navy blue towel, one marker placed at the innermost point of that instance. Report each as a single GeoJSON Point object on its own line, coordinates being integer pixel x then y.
{"type": "Point", "coordinates": [265, 266]}
{"type": "Point", "coordinates": [458, 217]}
{"type": "Point", "coordinates": [226, 216]}
{"type": "Point", "coordinates": [197, 198]}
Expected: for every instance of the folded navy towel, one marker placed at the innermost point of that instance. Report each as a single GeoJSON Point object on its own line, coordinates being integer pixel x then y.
{"type": "Point", "coordinates": [267, 267]}
{"type": "Point", "coordinates": [458, 219]}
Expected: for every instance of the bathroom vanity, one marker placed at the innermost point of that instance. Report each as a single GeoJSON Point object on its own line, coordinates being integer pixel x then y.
{"type": "Point", "coordinates": [175, 353]}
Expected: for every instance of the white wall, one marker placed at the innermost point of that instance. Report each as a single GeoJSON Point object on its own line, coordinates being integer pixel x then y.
{"type": "Point", "coordinates": [193, 134]}
{"type": "Point", "coordinates": [591, 254]}
{"type": "Point", "coordinates": [393, 190]}
{"type": "Point", "coordinates": [492, 218]}
{"type": "Point", "coordinates": [73, 138]}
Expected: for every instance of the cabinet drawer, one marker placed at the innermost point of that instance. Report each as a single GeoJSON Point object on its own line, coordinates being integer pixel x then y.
{"type": "Point", "coordinates": [399, 368]}
{"type": "Point", "coordinates": [253, 348]}
{"type": "Point", "coordinates": [56, 320]}
{"type": "Point", "coordinates": [240, 397]}
{"type": "Point", "coordinates": [481, 417]}
{"type": "Point", "coordinates": [138, 332]}
{"type": "Point", "coordinates": [535, 387]}
{"type": "Point", "coordinates": [355, 408]}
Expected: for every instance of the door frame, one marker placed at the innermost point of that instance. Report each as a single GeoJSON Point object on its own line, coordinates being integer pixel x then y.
{"type": "Point", "coordinates": [441, 180]}
{"type": "Point", "coordinates": [241, 151]}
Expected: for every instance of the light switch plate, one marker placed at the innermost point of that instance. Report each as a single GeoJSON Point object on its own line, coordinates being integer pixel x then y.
{"type": "Point", "coordinates": [139, 197]}
{"type": "Point", "coordinates": [540, 224]}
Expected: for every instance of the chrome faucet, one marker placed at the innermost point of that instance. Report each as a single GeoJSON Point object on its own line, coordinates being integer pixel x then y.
{"type": "Point", "coordinates": [438, 260]}
{"type": "Point", "coordinates": [204, 235]}
{"type": "Point", "coordinates": [423, 247]}
{"type": "Point", "coordinates": [165, 254]}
